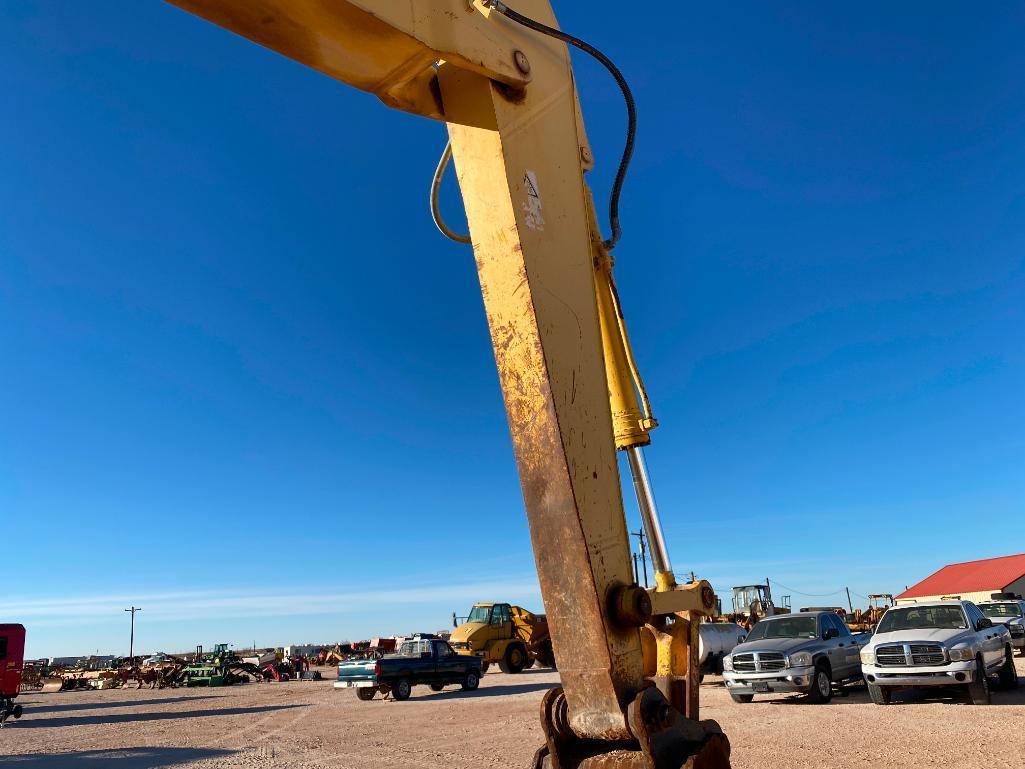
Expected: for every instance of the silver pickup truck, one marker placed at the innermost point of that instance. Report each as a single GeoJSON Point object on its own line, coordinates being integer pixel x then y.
{"type": "Point", "coordinates": [1011, 614]}
{"type": "Point", "coordinates": [806, 652]}
{"type": "Point", "coordinates": [937, 643]}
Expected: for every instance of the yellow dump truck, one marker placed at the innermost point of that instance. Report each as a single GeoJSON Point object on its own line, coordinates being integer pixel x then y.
{"type": "Point", "coordinates": [508, 635]}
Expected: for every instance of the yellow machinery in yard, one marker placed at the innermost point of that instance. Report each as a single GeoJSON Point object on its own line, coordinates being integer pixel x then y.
{"type": "Point", "coordinates": [865, 620]}
{"type": "Point", "coordinates": [508, 636]}
{"type": "Point", "coordinates": [502, 80]}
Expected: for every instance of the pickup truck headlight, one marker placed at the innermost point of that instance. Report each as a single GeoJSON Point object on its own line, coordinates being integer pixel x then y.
{"type": "Point", "coordinates": [868, 657]}
{"type": "Point", "coordinates": [961, 655]}
{"type": "Point", "coordinates": [727, 663]}
{"type": "Point", "coordinates": [800, 660]}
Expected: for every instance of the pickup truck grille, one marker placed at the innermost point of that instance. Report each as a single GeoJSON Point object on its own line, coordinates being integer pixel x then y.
{"type": "Point", "coordinates": [772, 661]}
{"type": "Point", "coordinates": [891, 656]}
{"type": "Point", "coordinates": [919, 654]}
{"type": "Point", "coordinates": [744, 662]}
{"type": "Point", "coordinates": [1016, 629]}
{"type": "Point", "coordinates": [927, 654]}
{"type": "Point", "coordinates": [758, 662]}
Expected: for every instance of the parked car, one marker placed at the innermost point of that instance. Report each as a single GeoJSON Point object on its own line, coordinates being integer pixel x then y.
{"type": "Point", "coordinates": [420, 660]}
{"type": "Point", "coordinates": [716, 640]}
{"type": "Point", "coordinates": [1010, 614]}
{"type": "Point", "coordinates": [937, 643]}
{"type": "Point", "coordinates": [806, 652]}
{"type": "Point", "coordinates": [156, 659]}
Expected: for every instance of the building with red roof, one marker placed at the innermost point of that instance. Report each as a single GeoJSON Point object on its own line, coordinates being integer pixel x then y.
{"type": "Point", "coordinates": [972, 581]}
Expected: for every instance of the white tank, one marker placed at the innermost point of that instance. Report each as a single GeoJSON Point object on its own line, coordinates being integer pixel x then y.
{"type": "Point", "coordinates": [717, 639]}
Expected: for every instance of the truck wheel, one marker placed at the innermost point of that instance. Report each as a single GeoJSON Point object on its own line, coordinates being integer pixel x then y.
{"type": "Point", "coordinates": [1008, 675]}
{"type": "Point", "coordinates": [471, 681]}
{"type": "Point", "coordinates": [743, 699]}
{"type": "Point", "coordinates": [366, 693]}
{"type": "Point", "coordinates": [978, 690]}
{"type": "Point", "coordinates": [402, 689]}
{"type": "Point", "coordinates": [821, 685]}
{"type": "Point", "coordinates": [437, 687]}
{"type": "Point", "coordinates": [546, 656]}
{"type": "Point", "coordinates": [514, 659]}
{"type": "Point", "coordinates": [880, 694]}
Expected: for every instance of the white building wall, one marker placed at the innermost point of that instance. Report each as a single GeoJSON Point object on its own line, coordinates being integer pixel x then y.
{"type": "Point", "coordinates": [975, 597]}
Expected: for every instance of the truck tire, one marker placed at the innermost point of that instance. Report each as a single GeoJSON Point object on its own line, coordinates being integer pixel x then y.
{"type": "Point", "coordinates": [514, 659]}
{"type": "Point", "coordinates": [546, 656]}
{"type": "Point", "coordinates": [402, 689]}
{"type": "Point", "coordinates": [366, 693]}
{"type": "Point", "coordinates": [978, 690]}
{"type": "Point", "coordinates": [880, 694]}
{"type": "Point", "coordinates": [821, 685]}
{"type": "Point", "coordinates": [1008, 675]}
{"type": "Point", "coordinates": [471, 681]}
{"type": "Point", "coordinates": [743, 699]}
{"type": "Point", "coordinates": [437, 687]}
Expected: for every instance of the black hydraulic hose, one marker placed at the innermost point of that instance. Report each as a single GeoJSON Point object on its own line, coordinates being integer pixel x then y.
{"type": "Point", "coordinates": [631, 108]}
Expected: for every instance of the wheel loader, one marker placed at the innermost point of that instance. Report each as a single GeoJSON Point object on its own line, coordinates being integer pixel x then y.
{"type": "Point", "coordinates": [509, 636]}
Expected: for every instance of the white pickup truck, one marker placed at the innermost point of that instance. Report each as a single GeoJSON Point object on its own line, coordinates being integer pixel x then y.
{"type": "Point", "coordinates": [937, 643]}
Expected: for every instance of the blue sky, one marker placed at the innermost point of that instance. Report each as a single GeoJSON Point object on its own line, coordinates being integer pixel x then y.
{"type": "Point", "coordinates": [245, 385]}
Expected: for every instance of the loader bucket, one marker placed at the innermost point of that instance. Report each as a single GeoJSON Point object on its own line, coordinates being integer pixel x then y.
{"type": "Point", "coordinates": [52, 684]}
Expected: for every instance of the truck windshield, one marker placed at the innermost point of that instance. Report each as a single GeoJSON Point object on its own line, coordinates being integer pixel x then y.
{"type": "Point", "coordinates": [921, 618]}
{"type": "Point", "coordinates": [1000, 609]}
{"type": "Point", "coordinates": [479, 614]}
{"type": "Point", "coordinates": [784, 627]}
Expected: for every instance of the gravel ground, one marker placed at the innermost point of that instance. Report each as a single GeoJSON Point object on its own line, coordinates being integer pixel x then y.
{"type": "Point", "coordinates": [302, 725]}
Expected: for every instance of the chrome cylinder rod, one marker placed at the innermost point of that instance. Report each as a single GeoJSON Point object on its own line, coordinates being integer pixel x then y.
{"type": "Point", "coordinates": [649, 513]}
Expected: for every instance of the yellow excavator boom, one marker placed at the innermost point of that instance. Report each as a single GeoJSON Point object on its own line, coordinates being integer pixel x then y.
{"type": "Point", "coordinates": [627, 656]}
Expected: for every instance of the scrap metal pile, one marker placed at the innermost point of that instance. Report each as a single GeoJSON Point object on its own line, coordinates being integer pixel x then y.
{"type": "Point", "coordinates": [356, 650]}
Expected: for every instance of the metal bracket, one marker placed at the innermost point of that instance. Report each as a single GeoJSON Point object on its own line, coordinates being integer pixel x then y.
{"type": "Point", "coordinates": [665, 739]}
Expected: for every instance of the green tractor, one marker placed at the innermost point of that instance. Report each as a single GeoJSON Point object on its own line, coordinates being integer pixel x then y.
{"type": "Point", "coordinates": [221, 667]}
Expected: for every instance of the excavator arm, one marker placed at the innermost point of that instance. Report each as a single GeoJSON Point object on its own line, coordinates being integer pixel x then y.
{"type": "Point", "coordinates": [627, 656]}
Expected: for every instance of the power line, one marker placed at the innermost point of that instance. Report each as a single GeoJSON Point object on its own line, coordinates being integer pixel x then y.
{"type": "Point", "coordinates": [807, 595]}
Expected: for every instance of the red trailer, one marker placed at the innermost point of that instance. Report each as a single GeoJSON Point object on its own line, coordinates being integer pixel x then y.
{"type": "Point", "coordinates": [12, 661]}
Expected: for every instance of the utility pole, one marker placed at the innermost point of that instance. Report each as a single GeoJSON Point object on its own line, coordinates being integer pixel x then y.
{"type": "Point", "coordinates": [637, 577]}
{"type": "Point", "coordinates": [644, 561]}
{"type": "Point", "coordinates": [131, 640]}
{"type": "Point", "coordinates": [849, 604]}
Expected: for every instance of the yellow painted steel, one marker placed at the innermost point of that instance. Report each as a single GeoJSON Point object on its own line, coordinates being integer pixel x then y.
{"type": "Point", "coordinates": [524, 195]}
{"type": "Point", "coordinates": [631, 424]}
{"type": "Point", "coordinates": [386, 47]}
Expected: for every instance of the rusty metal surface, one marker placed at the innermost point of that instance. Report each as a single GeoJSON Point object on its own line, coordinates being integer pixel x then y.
{"type": "Point", "coordinates": [663, 739]}
{"type": "Point", "coordinates": [525, 200]}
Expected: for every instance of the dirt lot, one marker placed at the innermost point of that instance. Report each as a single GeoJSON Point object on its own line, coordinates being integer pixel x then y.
{"type": "Point", "coordinates": [310, 725]}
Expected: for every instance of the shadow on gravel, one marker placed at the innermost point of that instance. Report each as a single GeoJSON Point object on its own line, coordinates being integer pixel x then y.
{"type": "Point", "coordinates": [956, 696]}
{"type": "Point", "coordinates": [28, 722]}
{"type": "Point", "coordinates": [943, 695]}
{"type": "Point", "coordinates": [32, 708]}
{"type": "Point", "coordinates": [130, 758]}
{"type": "Point", "coordinates": [491, 691]}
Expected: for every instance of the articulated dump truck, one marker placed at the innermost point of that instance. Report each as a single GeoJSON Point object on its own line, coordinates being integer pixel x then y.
{"type": "Point", "coordinates": [510, 636]}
